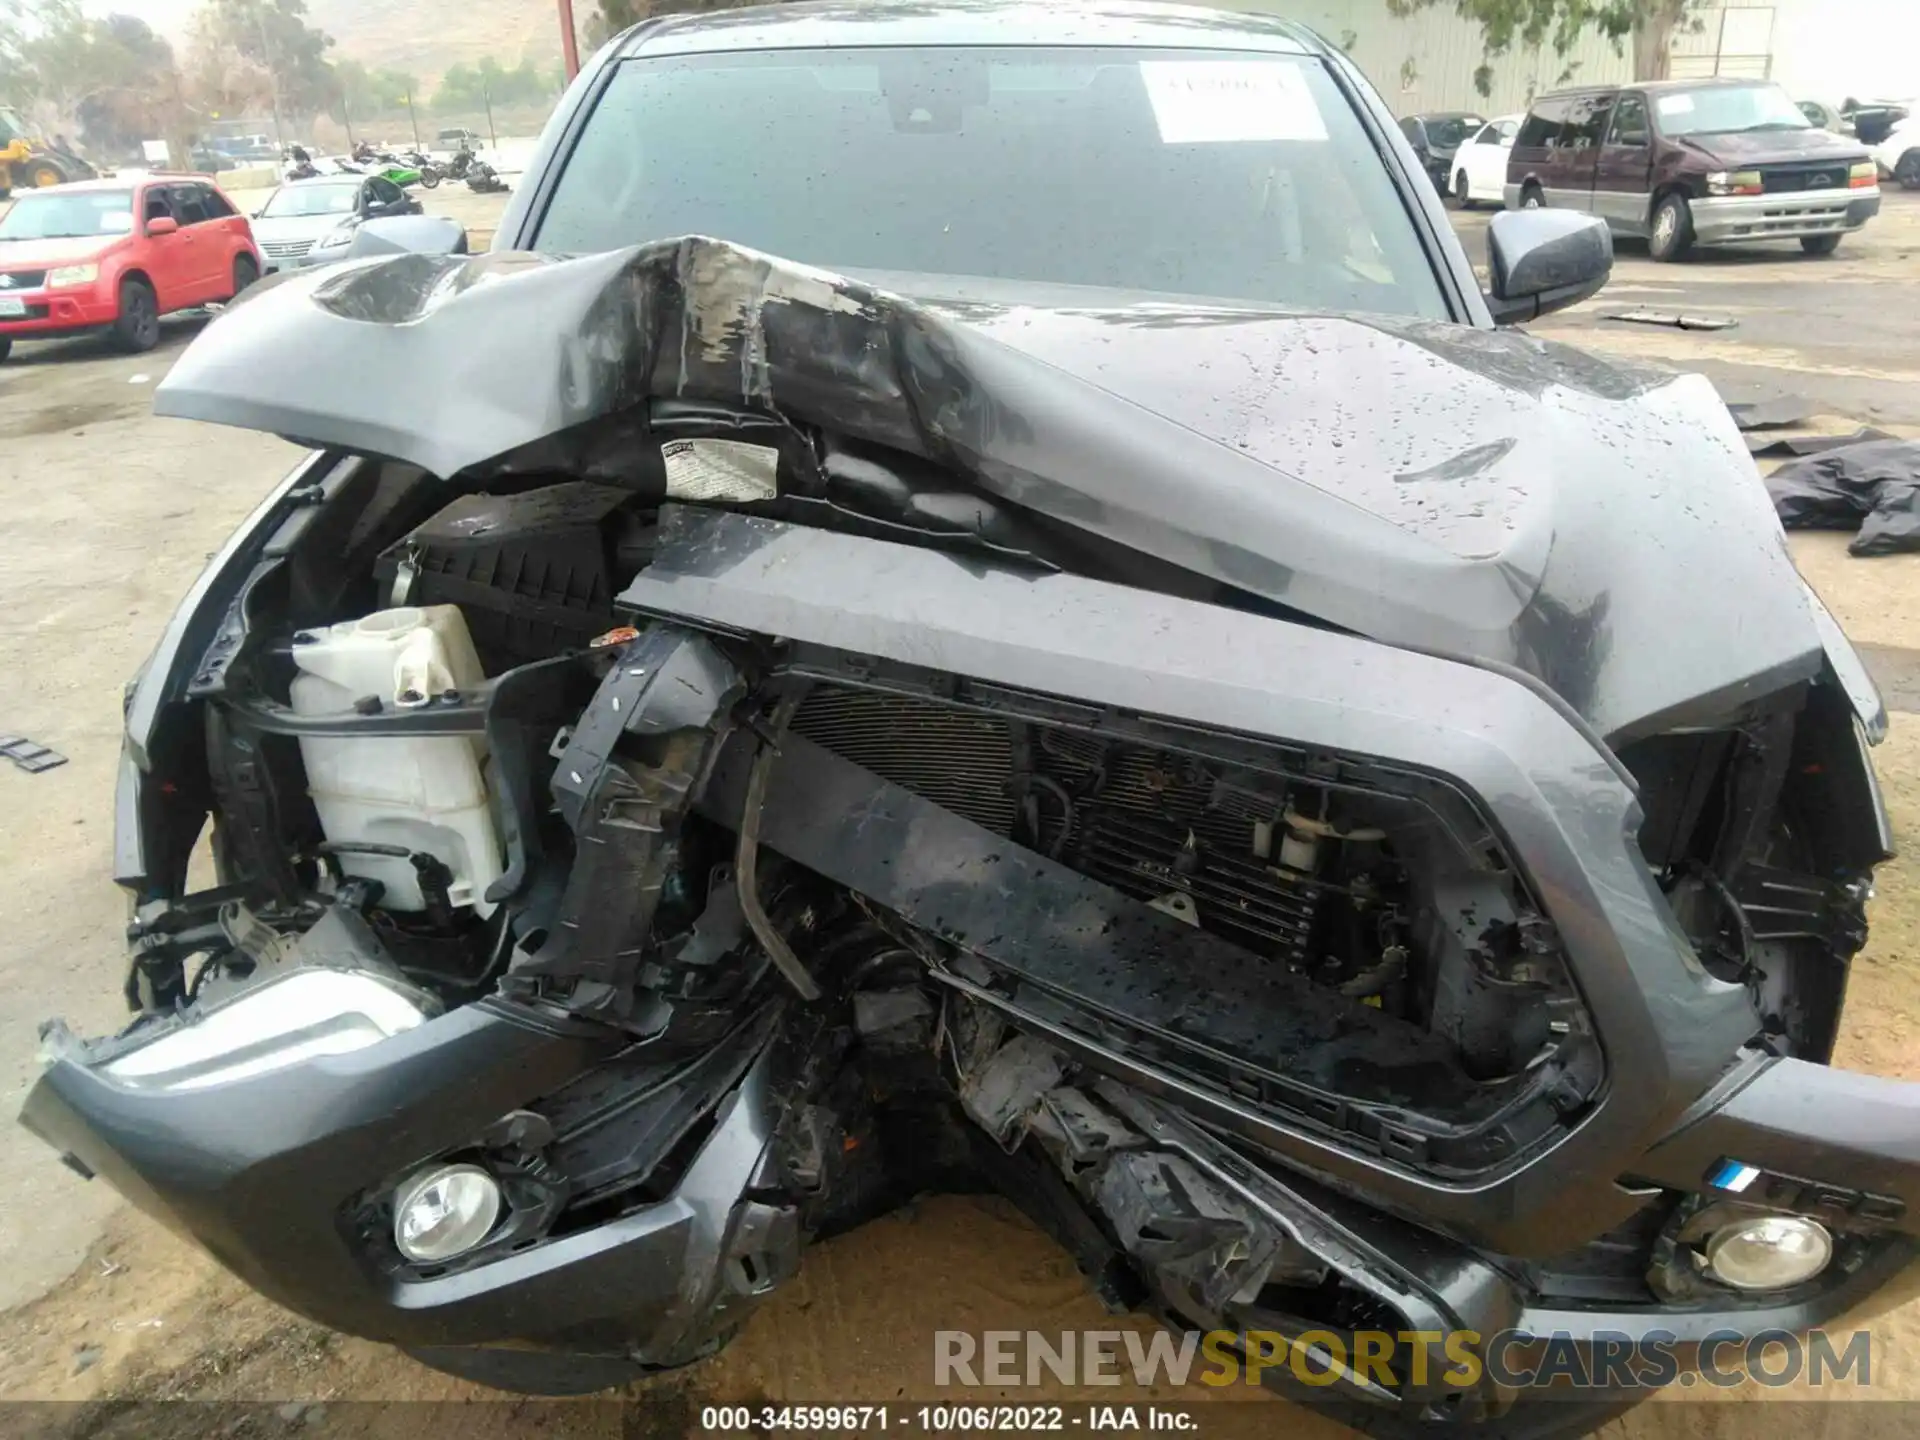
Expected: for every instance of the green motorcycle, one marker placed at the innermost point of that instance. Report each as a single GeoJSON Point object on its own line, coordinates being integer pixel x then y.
{"type": "Point", "coordinates": [404, 173]}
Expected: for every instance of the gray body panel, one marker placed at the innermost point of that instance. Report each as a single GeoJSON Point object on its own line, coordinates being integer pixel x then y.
{"type": "Point", "coordinates": [1478, 493]}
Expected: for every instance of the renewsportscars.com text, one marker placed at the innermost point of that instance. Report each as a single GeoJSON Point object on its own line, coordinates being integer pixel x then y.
{"type": "Point", "coordinates": [1459, 1358]}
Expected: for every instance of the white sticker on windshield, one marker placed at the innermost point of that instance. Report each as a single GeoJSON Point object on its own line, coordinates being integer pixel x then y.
{"type": "Point", "coordinates": [116, 222]}
{"type": "Point", "coordinates": [721, 470]}
{"type": "Point", "coordinates": [1674, 104]}
{"type": "Point", "coordinates": [1203, 101]}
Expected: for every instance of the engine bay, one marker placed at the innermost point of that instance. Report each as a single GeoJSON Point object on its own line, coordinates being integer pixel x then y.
{"type": "Point", "coordinates": [454, 767]}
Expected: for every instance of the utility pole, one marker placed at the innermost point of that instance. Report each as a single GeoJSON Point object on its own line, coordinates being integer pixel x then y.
{"type": "Point", "coordinates": [273, 77]}
{"type": "Point", "coordinates": [413, 117]}
{"type": "Point", "coordinates": [569, 46]}
{"type": "Point", "coordinates": [346, 116]}
{"type": "Point", "coordinates": [486, 97]}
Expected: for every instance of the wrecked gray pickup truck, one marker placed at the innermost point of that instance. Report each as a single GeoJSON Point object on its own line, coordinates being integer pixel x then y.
{"type": "Point", "coordinates": [1347, 814]}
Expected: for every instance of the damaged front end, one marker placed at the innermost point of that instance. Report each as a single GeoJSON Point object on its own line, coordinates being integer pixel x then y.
{"type": "Point", "coordinates": [750, 789]}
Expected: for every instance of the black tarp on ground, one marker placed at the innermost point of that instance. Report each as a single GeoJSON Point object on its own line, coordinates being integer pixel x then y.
{"type": "Point", "coordinates": [1874, 486]}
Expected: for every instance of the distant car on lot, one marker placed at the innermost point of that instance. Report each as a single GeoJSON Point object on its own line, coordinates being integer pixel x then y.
{"type": "Point", "coordinates": [452, 142]}
{"type": "Point", "coordinates": [1898, 155]}
{"type": "Point", "coordinates": [302, 213]}
{"type": "Point", "coordinates": [1480, 164]}
{"type": "Point", "coordinates": [1693, 162]}
{"type": "Point", "coordinates": [116, 255]}
{"type": "Point", "coordinates": [1823, 116]}
{"type": "Point", "coordinates": [1435, 137]}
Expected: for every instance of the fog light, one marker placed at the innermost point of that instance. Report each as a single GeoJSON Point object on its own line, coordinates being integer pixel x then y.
{"type": "Point", "coordinates": [1769, 1252]}
{"type": "Point", "coordinates": [444, 1211]}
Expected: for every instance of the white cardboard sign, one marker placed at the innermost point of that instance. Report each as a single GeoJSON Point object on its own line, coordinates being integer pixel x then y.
{"type": "Point", "coordinates": [1210, 101]}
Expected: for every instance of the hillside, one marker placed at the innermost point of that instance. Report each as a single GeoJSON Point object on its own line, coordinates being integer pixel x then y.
{"type": "Point", "coordinates": [424, 37]}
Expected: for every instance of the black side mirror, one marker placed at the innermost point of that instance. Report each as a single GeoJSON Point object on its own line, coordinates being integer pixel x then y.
{"type": "Point", "coordinates": [1545, 260]}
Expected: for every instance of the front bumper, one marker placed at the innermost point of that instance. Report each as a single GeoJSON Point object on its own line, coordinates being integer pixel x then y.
{"type": "Point", "coordinates": [1734, 219]}
{"type": "Point", "coordinates": [262, 1172]}
{"type": "Point", "coordinates": [259, 1171]}
{"type": "Point", "coordinates": [52, 314]}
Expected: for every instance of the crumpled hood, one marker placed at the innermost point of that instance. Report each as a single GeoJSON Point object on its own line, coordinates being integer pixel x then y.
{"type": "Point", "coordinates": [1483, 494]}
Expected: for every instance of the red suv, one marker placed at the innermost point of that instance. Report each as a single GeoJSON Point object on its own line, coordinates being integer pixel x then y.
{"type": "Point", "coordinates": [116, 255]}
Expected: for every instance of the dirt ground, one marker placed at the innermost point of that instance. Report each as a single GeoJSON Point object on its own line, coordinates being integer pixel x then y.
{"type": "Point", "coordinates": [108, 514]}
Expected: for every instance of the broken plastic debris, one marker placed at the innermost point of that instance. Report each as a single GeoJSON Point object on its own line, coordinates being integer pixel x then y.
{"type": "Point", "coordinates": [1772, 414]}
{"type": "Point", "coordinates": [28, 756]}
{"type": "Point", "coordinates": [1674, 319]}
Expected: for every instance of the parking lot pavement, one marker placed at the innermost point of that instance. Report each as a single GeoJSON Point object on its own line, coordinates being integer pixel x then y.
{"type": "Point", "coordinates": [479, 213]}
{"type": "Point", "coordinates": [106, 514]}
{"type": "Point", "coordinates": [1839, 330]}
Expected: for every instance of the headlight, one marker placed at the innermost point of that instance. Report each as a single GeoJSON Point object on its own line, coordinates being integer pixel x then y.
{"type": "Point", "coordinates": [73, 275]}
{"type": "Point", "coordinates": [307, 1014]}
{"type": "Point", "coordinates": [1737, 182]}
{"type": "Point", "coordinates": [334, 240]}
{"type": "Point", "coordinates": [1863, 176]}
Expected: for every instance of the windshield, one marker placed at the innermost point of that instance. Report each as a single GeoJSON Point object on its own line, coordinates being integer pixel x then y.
{"type": "Point", "coordinates": [294, 200]}
{"type": "Point", "coordinates": [1722, 109]}
{"type": "Point", "coordinates": [53, 215]}
{"type": "Point", "coordinates": [1447, 131]}
{"type": "Point", "coordinates": [1242, 178]}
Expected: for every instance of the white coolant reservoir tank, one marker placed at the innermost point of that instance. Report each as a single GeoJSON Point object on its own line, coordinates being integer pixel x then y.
{"type": "Point", "coordinates": [428, 794]}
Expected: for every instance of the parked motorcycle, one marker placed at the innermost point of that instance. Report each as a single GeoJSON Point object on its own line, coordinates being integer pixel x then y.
{"type": "Point", "coordinates": [483, 179]}
{"type": "Point", "coordinates": [429, 170]}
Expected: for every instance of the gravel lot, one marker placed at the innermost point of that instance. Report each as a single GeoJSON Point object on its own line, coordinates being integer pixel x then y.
{"type": "Point", "coordinates": [108, 514]}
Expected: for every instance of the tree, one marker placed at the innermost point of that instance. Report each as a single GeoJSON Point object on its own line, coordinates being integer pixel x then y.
{"type": "Point", "coordinates": [467, 88]}
{"type": "Point", "coordinates": [361, 93]}
{"type": "Point", "coordinates": [271, 41]}
{"type": "Point", "coordinates": [1652, 25]}
{"type": "Point", "coordinates": [113, 79]}
{"type": "Point", "coordinates": [613, 16]}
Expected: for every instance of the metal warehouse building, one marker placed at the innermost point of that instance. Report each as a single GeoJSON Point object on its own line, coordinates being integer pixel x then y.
{"type": "Point", "coordinates": [1819, 49]}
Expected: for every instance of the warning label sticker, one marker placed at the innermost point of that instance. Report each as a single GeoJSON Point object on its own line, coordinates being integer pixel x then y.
{"type": "Point", "coordinates": [721, 470]}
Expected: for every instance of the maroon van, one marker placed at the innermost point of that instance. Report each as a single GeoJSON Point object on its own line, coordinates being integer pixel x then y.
{"type": "Point", "coordinates": [1693, 162]}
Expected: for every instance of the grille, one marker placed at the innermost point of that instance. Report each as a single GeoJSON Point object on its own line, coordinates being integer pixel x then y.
{"type": "Point", "coordinates": [1153, 825]}
{"type": "Point", "coordinates": [23, 280]}
{"type": "Point", "coordinates": [959, 761]}
{"type": "Point", "coordinates": [285, 249]}
{"type": "Point", "coordinates": [1798, 178]}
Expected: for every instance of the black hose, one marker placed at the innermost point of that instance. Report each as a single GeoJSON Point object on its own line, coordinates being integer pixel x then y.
{"type": "Point", "coordinates": [1067, 813]}
{"type": "Point", "coordinates": [747, 859]}
{"type": "Point", "coordinates": [1743, 927]}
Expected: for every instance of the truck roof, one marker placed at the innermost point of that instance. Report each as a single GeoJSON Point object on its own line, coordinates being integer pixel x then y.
{"type": "Point", "coordinates": [832, 26]}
